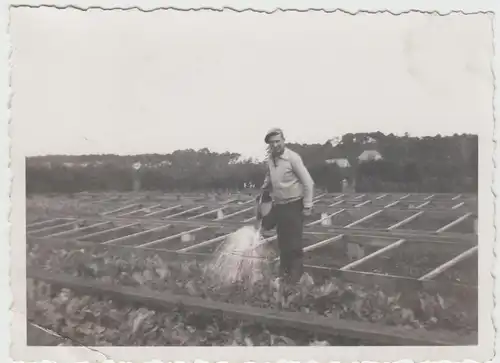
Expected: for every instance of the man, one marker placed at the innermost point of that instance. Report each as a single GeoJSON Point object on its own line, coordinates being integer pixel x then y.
{"type": "Point", "coordinates": [290, 187]}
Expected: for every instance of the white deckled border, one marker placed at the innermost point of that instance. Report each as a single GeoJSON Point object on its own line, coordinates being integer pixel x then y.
{"type": "Point", "coordinates": [233, 354]}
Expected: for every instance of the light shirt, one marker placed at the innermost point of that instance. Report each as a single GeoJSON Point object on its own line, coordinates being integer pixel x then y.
{"type": "Point", "coordinates": [288, 179]}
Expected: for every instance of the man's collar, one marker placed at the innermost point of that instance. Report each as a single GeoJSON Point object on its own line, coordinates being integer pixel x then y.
{"type": "Point", "coordinates": [285, 155]}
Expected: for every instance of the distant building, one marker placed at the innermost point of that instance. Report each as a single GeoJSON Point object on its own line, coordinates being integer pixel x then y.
{"type": "Point", "coordinates": [342, 162]}
{"type": "Point", "coordinates": [369, 155]}
{"type": "Point", "coordinates": [369, 140]}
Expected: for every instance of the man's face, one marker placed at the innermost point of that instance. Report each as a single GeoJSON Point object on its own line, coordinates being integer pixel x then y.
{"type": "Point", "coordinates": [277, 144]}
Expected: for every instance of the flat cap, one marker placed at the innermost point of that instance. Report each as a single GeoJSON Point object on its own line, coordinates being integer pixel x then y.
{"type": "Point", "coordinates": [273, 132]}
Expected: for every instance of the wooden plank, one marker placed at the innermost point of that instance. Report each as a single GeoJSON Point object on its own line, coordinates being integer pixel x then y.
{"type": "Point", "coordinates": [373, 196]}
{"type": "Point", "coordinates": [371, 215]}
{"type": "Point", "coordinates": [65, 233]}
{"type": "Point", "coordinates": [422, 205]}
{"type": "Point", "coordinates": [405, 221]}
{"type": "Point", "coordinates": [362, 203]}
{"type": "Point", "coordinates": [323, 243]}
{"type": "Point", "coordinates": [163, 210]}
{"type": "Point", "coordinates": [445, 266]}
{"type": "Point", "coordinates": [208, 212]}
{"type": "Point", "coordinates": [264, 241]}
{"type": "Point", "coordinates": [309, 322]}
{"type": "Point", "coordinates": [205, 243]}
{"type": "Point", "coordinates": [248, 202]}
{"type": "Point", "coordinates": [321, 219]}
{"type": "Point", "coordinates": [165, 239]}
{"type": "Point", "coordinates": [184, 212]}
{"type": "Point", "coordinates": [229, 201]}
{"type": "Point", "coordinates": [138, 234]}
{"type": "Point", "coordinates": [417, 236]}
{"type": "Point", "coordinates": [100, 233]}
{"type": "Point", "coordinates": [372, 255]}
{"type": "Point", "coordinates": [121, 209]}
{"type": "Point", "coordinates": [251, 219]}
{"type": "Point", "coordinates": [336, 203]}
{"type": "Point", "coordinates": [391, 204]}
{"type": "Point", "coordinates": [421, 235]}
{"type": "Point", "coordinates": [454, 223]}
{"type": "Point", "coordinates": [445, 210]}
{"type": "Point", "coordinates": [106, 200]}
{"type": "Point", "coordinates": [43, 224]}
{"type": "Point", "coordinates": [319, 196]}
{"type": "Point", "coordinates": [138, 210]}
{"type": "Point", "coordinates": [359, 197]}
{"type": "Point", "coordinates": [49, 228]}
{"type": "Point", "coordinates": [235, 214]}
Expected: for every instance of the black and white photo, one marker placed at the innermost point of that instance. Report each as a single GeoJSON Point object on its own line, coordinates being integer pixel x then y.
{"type": "Point", "coordinates": [186, 180]}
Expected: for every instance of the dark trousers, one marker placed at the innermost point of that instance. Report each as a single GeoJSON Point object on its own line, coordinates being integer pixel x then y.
{"type": "Point", "coordinates": [289, 221]}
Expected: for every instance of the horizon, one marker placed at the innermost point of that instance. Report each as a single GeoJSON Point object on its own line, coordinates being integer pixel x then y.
{"type": "Point", "coordinates": [242, 156]}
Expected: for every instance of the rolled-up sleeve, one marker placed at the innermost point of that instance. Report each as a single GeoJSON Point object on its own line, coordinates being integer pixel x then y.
{"type": "Point", "coordinates": [305, 178]}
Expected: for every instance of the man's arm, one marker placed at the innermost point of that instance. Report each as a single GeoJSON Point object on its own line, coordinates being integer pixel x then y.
{"type": "Point", "coordinates": [264, 196]}
{"type": "Point", "coordinates": [267, 186]}
{"type": "Point", "coordinates": [305, 178]}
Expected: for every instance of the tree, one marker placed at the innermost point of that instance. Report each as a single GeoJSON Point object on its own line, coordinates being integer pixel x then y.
{"type": "Point", "coordinates": [426, 164]}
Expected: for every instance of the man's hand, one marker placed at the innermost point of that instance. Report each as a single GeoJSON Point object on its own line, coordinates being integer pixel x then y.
{"type": "Point", "coordinates": [307, 211]}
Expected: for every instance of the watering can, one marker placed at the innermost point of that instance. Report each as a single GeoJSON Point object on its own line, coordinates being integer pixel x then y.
{"type": "Point", "coordinates": [264, 205]}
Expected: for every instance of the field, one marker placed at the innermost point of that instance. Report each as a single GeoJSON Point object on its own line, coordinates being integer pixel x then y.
{"type": "Point", "coordinates": [131, 269]}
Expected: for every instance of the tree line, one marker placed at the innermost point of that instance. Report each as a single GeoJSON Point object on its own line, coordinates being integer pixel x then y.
{"type": "Point", "coordinates": [409, 164]}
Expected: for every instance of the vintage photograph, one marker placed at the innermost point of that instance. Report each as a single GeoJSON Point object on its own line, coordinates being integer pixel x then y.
{"type": "Point", "coordinates": [224, 179]}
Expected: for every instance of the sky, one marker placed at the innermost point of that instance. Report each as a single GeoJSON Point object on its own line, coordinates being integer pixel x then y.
{"type": "Point", "coordinates": [129, 82]}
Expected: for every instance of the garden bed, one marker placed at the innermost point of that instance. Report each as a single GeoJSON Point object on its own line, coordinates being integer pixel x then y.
{"type": "Point", "coordinates": [333, 298]}
{"type": "Point", "coordinates": [106, 321]}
